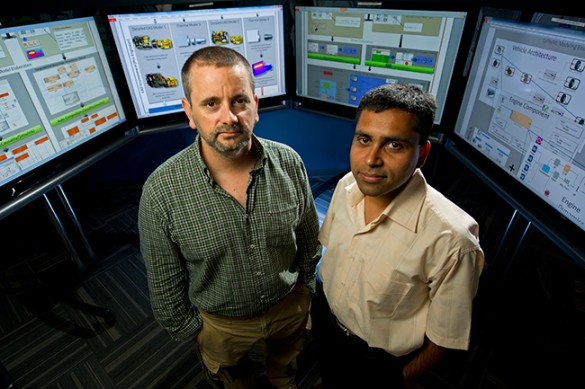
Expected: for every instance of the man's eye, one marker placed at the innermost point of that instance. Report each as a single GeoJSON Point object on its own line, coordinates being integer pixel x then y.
{"type": "Point", "coordinates": [362, 140]}
{"type": "Point", "coordinates": [208, 104]}
{"type": "Point", "coordinates": [393, 146]}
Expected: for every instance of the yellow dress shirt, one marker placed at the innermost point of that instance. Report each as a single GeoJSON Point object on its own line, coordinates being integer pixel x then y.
{"type": "Point", "coordinates": [412, 271]}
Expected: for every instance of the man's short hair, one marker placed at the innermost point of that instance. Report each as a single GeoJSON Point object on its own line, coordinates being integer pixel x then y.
{"type": "Point", "coordinates": [402, 96]}
{"type": "Point", "coordinates": [217, 56]}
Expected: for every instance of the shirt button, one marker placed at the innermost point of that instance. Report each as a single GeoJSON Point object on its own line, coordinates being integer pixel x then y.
{"type": "Point", "coordinates": [258, 273]}
{"type": "Point", "coordinates": [252, 246]}
{"type": "Point", "coordinates": [262, 296]}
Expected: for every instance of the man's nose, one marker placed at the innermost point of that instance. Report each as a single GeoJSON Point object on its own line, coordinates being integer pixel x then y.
{"type": "Point", "coordinates": [228, 116]}
{"type": "Point", "coordinates": [373, 156]}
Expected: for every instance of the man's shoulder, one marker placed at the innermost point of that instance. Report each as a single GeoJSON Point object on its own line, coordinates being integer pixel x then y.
{"type": "Point", "coordinates": [280, 151]}
{"type": "Point", "coordinates": [449, 214]}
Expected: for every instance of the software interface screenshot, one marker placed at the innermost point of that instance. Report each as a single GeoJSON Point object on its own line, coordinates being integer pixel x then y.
{"type": "Point", "coordinates": [524, 109]}
{"type": "Point", "coordinates": [342, 53]}
{"type": "Point", "coordinates": [56, 91]}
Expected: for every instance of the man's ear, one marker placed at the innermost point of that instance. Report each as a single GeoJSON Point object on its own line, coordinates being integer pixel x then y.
{"type": "Point", "coordinates": [187, 109]}
{"type": "Point", "coordinates": [423, 153]}
{"type": "Point", "coordinates": [257, 100]}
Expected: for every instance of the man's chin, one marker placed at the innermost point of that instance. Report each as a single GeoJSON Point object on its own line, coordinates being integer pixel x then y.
{"type": "Point", "coordinates": [231, 146]}
{"type": "Point", "coordinates": [370, 189]}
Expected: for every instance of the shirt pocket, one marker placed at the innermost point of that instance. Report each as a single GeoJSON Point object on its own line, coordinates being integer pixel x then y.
{"type": "Point", "coordinates": [281, 223]}
{"type": "Point", "coordinates": [384, 296]}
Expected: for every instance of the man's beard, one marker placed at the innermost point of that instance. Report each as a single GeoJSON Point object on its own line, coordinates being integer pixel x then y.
{"type": "Point", "coordinates": [231, 150]}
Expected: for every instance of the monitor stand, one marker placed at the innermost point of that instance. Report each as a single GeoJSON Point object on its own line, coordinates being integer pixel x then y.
{"type": "Point", "coordinates": [71, 232]}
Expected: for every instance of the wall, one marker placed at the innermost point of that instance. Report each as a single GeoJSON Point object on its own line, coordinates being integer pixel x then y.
{"type": "Point", "coordinates": [322, 141]}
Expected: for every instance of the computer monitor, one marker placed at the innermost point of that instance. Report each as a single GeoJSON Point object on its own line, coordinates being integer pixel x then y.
{"type": "Point", "coordinates": [522, 122]}
{"type": "Point", "coordinates": [153, 46]}
{"type": "Point", "coordinates": [57, 93]}
{"type": "Point", "coordinates": [343, 52]}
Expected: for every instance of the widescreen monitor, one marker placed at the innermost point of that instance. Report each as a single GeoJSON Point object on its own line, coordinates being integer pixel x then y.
{"type": "Point", "coordinates": [153, 46]}
{"type": "Point", "coordinates": [57, 93]}
{"type": "Point", "coordinates": [523, 116]}
{"type": "Point", "coordinates": [343, 52]}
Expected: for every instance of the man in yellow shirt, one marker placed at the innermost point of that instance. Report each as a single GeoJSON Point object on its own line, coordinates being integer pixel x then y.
{"type": "Point", "coordinates": [402, 262]}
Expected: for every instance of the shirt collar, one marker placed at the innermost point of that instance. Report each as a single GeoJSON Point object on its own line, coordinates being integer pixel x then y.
{"type": "Point", "coordinates": [405, 208]}
{"type": "Point", "coordinates": [260, 154]}
{"type": "Point", "coordinates": [199, 163]}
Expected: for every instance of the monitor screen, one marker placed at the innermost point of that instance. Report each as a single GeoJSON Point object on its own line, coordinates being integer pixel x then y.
{"type": "Point", "coordinates": [343, 52]}
{"type": "Point", "coordinates": [56, 93]}
{"type": "Point", "coordinates": [153, 46]}
{"type": "Point", "coordinates": [523, 114]}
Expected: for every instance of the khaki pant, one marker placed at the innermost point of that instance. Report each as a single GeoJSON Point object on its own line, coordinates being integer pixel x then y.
{"type": "Point", "coordinates": [225, 343]}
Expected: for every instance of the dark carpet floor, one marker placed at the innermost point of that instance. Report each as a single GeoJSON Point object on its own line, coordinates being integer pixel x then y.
{"type": "Point", "coordinates": [47, 341]}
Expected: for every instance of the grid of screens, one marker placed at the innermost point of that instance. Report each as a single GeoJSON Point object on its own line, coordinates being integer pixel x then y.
{"type": "Point", "coordinates": [343, 52]}
{"type": "Point", "coordinates": [56, 93]}
{"type": "Point", "coordinates": [524, 110]}
{"type": "Point", "coordinates": [153, 47]}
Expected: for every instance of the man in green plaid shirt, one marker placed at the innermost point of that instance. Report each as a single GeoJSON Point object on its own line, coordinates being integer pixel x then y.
{"type": "Point", "coordinates": [228, 231]}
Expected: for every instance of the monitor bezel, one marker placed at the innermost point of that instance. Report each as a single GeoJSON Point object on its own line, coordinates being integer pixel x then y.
{"type": "Point", "coordinates": [178, 119]}
{"type": "Point", "coordinates": [543, 215]}
{"type": "Point", "coordinates": [73, 158]}
{"type": "Point", "coordinates": [455, 89]}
